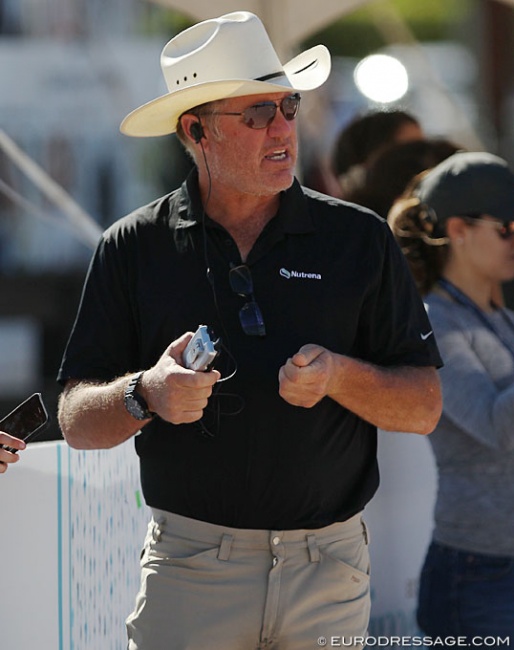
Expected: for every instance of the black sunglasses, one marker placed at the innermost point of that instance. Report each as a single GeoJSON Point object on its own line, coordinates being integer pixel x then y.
{"type": "Point", "coordinates": [505, 229]}
{"type": "Point", "coordinates": [250, 315]}
{"type": "Point", "coordinates": [260, 116]}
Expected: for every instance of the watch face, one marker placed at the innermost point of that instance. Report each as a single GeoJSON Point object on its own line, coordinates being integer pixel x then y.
{"type": "Point", "coordinates": [134, 403]}
{"type": "Point", "coordinates": [134, 408]}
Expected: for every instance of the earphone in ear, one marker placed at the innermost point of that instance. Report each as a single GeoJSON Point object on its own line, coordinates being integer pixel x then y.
{"type": "Point", "coordinates": [197, 131]}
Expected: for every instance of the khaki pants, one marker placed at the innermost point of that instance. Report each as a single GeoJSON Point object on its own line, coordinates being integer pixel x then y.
{"type": "Point", "coordinates": [208, 587]}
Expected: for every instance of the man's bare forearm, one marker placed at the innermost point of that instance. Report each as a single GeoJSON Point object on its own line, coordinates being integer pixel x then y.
{"type": "Point", "coordinates": [93, 415]}
{"type": "Point", "coordinates": [395, 399]}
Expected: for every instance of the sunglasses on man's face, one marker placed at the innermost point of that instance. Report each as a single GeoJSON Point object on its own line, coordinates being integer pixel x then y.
{"type": "Point", "coordinates": [260, 116]}
{"type": "Point", "coordinates": [505, 229]}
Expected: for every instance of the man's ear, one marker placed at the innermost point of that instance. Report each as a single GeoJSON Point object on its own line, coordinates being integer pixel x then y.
{"type": "Point", "coordinates": [193, 127]}
{"type": "Point", "coordinates": [197, 132]}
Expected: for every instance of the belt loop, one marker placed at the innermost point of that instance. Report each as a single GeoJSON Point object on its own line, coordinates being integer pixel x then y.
{"type": "Point", "coordinates": [313, 548]}
{"type": "Point", "coordinates": [365, 532]}
{"type": "Point", "coordinates": [156, 528]}
{"type": "Point", "coordinates": [225, 547]}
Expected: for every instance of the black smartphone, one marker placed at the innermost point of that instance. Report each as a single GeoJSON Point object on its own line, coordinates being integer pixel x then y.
{"type": "Point", "coordinates": [26, 420]}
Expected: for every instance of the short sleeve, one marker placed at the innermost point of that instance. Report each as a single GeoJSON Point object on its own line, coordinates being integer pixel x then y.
{"type": "Point", "coordinates": [394, 324]}
{"type": "Point", "coordinates": [104, 340]}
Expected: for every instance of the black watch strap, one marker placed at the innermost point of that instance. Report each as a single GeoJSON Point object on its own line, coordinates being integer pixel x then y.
{"type": "Point", "coordinates": [135, 403]}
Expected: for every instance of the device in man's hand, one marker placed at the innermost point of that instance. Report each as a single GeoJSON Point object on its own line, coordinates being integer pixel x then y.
{"type": "Point", "coordinates": [201, 351]}
{"type": "Point", "coordinates": [26, 420]}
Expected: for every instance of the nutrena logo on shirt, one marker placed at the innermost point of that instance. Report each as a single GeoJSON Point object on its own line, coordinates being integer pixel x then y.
{"type": "Point", "coordinates": [302, 275]}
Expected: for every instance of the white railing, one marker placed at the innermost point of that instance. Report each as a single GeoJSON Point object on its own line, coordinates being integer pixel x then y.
{"type": "Point", "coordinates": [73, 523]}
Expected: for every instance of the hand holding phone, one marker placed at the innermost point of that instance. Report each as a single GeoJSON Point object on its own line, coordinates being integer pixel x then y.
{"type": "Point", "coordinates": [26, 420]}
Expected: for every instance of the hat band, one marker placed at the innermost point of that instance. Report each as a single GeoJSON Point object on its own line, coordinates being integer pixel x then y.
{"type": "Point", "coordinates": [273, 75]}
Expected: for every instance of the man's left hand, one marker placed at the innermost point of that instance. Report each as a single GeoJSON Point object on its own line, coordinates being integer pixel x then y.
{"type": "Point", "coordinates": [304, 379]}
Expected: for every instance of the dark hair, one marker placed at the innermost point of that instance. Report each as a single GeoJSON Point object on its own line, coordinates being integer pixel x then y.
{"type": "Point", "coordinates": [391, 172]}
{"type": "Point", "coordinates": [413, 226]}
{"type": "Point", "coordinates": [365, 135]}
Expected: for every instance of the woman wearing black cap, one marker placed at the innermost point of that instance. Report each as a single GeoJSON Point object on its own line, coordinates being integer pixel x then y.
{"type": "Point", "coordinates": [456, 229]}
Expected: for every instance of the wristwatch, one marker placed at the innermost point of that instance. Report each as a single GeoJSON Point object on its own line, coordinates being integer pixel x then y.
{"type": "Point", "coordinates": [134, 402]}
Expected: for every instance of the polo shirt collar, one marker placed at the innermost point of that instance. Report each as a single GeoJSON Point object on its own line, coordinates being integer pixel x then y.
{"type": "Point", "coordinates": [189, 202]}
{"type": "Point", "coordinates": [293, 214]}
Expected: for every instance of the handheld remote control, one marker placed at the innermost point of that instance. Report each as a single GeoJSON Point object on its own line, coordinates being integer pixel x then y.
{"type": "Point", "coordinates": [201, 351]}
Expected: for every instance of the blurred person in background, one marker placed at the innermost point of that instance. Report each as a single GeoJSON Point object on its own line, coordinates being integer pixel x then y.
{"type": "Point", "coordinates": [7, 457]}
{"type": "Point", "coordinates": [390, 173]}
{"type": "Point", "coordinates": [362, 140]}
{"type": "Point", "coordinates": [457, 231]}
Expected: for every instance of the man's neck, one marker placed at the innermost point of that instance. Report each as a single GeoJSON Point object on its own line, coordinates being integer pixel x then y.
{"type": "Point", "coordinates": [244, 216]}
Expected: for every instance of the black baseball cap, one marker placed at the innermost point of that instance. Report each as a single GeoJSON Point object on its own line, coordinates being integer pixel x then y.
{"type": "Point", "coordinates": [469, 183]}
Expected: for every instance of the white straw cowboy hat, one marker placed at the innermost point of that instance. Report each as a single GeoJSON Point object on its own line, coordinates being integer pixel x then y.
{"type": "Point", "coordinates": [229, 56]}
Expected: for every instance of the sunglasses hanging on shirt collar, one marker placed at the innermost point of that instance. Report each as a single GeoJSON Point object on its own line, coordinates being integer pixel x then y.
{"type": "Point", "coordinates": [250, 315]}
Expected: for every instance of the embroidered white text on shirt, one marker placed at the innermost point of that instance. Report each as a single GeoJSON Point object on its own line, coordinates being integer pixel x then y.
{"type": "Point", "coordinates": [299, 274]}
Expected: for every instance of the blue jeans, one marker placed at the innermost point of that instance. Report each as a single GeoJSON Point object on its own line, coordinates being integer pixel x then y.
{"type": "Point", "coordinates": [466, 594]}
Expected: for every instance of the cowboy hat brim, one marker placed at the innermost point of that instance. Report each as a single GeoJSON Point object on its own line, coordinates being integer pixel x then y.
{"type": "Point", "coordinates": [306, 71]}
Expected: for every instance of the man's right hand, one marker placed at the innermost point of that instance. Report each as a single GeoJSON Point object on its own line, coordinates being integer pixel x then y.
{"type": "Point", "coordinates": [92, 415]}
{"type": "Point", "coordinates": [177, 394]}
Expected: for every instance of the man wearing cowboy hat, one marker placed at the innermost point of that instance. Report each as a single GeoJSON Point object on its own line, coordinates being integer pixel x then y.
{"type": "Point", "coordinates": [257, 471]}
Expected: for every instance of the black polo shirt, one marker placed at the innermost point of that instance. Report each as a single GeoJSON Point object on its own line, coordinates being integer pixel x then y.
{"type": "Point", "coordinates": [324, 272]}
